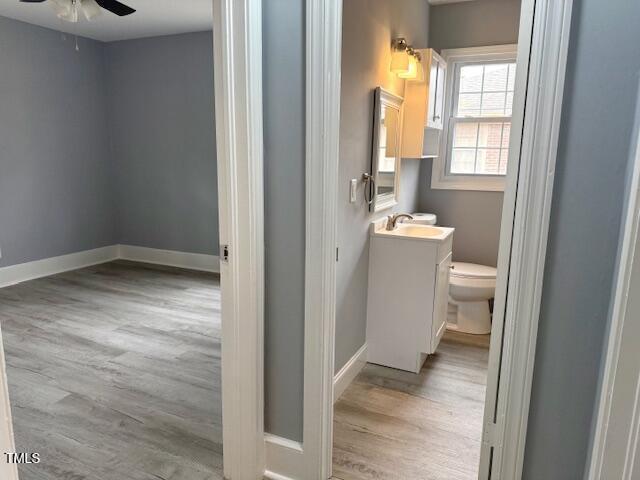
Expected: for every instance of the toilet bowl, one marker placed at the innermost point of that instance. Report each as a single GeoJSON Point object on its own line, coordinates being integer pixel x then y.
{"type": "Point", "coordinates": [471, 287]}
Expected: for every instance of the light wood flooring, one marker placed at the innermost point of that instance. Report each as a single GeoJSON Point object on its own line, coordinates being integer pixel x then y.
{"type": "Point", "coordinates": [114, 373]}
{"type": "Point", "coordinates": [395, 425]}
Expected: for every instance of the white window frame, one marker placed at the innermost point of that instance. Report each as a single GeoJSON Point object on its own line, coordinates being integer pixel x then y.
{"type": "Point", "coordinates": [455, 58]}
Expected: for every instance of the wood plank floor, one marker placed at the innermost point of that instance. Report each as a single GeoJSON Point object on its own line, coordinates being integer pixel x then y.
{"type": "Point", "coordinates": [395, 425]}
{"type": "Point", "coordinates": [114, 373]}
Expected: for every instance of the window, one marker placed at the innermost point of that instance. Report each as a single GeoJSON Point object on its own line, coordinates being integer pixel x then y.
{"type": "Point", "coordinates": [481, 118]}
{"type": "Point", "coordinates": [479, 103]}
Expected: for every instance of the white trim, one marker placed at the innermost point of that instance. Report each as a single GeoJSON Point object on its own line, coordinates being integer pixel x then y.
{"type": "Point", "coordinates": [7, 471]}
{"type": "Point", "coordinates": [237, 46]}
{"type": "Point", "coordinates": [440, 179]}
{"type": "Point", "coordinates": [543, 44]}
{"type": "Point", "coordinates": [284, 458]}
{"type": "Point", "coordinates": [51, 266]}
{"type": "Point", "coordinates": [323, 56]}
{"type": "Point", "coordinates": [548, 38]}
{"type": "Point", "coordinates": [171, 258]}
{"type": "Point", "coordinates": [349, 372]}
{"type": "Point", "coordinates": [46, 267]}
{"type": "Point", "coordinates": [615, 437]}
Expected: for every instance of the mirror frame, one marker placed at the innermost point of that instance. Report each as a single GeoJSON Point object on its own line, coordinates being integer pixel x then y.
{"type": "Point", "coordinates": [387, 99]}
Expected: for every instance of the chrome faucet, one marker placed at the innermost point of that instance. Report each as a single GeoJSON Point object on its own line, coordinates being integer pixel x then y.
{"type": "Point", "coordinates": [392, 220]}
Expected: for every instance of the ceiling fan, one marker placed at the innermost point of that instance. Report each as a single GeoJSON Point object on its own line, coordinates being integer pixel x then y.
{"type": "Point", "coordinates": [70, 10]}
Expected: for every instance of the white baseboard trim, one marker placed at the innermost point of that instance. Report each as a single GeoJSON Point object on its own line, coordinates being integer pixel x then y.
{"type": "Point", "coordinates": [23, 272]}
{"type": "Point", "coordinates": [349, 372]}
{"type": "Point", "coordinates": [170, 258]}
{"type": "Point", "coordinates": [284, 458]}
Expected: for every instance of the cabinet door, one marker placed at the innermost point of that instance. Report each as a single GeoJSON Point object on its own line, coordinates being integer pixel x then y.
{"type": "Point", "coordinates": [433, 87]}
{"type": "Point", "coordinates": [440, 302]}
{"type": "Point", "coordinates": [438, 107]}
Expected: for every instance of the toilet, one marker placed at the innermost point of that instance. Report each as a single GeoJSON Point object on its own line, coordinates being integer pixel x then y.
{"type": "Point", "coordinates": [471, 286]}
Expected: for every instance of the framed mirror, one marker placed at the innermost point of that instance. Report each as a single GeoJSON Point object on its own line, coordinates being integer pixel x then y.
{"type": "Point", "coordinates": [385, 158]}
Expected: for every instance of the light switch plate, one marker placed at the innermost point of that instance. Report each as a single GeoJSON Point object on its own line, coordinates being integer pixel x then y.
{"type": "Point", "coordinates": [353, 189]}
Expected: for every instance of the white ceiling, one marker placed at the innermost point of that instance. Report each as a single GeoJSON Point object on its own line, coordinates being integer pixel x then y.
{"type": "Point", "coordinates": [152, 18]}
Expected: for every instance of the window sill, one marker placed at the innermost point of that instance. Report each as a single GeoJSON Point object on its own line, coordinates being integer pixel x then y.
{"type": "Point", "coordinates": [490, 184]}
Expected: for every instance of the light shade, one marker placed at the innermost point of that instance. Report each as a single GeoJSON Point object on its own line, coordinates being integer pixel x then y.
{"type": "Point", "coordinates": [416, 70]}
{"type": "Point", "coordinates": [399, 61]}
{"type": "Point", "coordinates": [91, 9]}
{"type": "Point", "coordinates": [412, 72]}
{"type": "Point", "coordinates": [69, 10]}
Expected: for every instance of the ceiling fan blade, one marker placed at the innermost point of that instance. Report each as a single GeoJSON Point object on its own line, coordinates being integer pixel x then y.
{"type": "Point", "coordinates": [33, 1]}
{"type": "Point", "coordinates": [116, 7]}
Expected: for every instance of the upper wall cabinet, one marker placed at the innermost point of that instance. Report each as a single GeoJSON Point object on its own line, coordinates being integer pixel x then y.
{"type": "Point", "coordinates": [424, 108]}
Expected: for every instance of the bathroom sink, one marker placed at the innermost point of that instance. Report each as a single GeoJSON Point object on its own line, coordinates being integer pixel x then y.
{"type": "Point", "coordinates": [414, 231]}
{"type": "Point", "coordinates": [417, 231]}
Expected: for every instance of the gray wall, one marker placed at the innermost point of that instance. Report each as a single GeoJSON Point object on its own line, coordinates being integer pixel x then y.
{"type": "Point", "coordinates": [475, 215]}
{"type": "Point", "coordinates": [161, 121]}
{"type": "Point", "coordinates": [114, 143]}
{"type": "Point", "coordinates": [590, 179]}
{"type": "Point", "coordinates": [55, 188]}
{"type": "Point", "coordinates": [471, 24]}
{"type": "Point", "coordinates": [284, 158]}
{"type": "Point", "coordinates": [368, 28]}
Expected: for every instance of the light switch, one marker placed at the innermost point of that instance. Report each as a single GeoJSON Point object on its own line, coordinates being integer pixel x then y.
{"type": "Point", "coordinates": [353, 190]}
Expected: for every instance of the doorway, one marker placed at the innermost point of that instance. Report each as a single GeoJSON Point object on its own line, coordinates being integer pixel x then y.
{"type": "Point", "coordinates": [541, 56]}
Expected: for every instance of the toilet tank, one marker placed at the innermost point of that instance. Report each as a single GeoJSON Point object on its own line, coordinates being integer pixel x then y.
{"type": "Point", "coordinates": [423, 218]}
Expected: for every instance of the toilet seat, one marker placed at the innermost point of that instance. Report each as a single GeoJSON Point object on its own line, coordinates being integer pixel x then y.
{"type": "Point", "coordinates": [472, 271]}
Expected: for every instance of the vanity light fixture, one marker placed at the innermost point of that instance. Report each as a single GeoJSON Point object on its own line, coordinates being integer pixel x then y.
{"type": "Point", "coordinates": [405, 61]}
{"type": "Point", "coordinates": [399, 56]}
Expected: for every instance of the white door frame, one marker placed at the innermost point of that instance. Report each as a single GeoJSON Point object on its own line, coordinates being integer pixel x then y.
{"type": "Point", "coordinates": [617, 426]}
{"type": "Point", "coordinates": [237, 45]}
{"type": "Point", "coordinates": [7, 470]}
{"type": "Point", "coordinates": [543, 43]}
{"type": "Point", "coordinates": [543, 46]}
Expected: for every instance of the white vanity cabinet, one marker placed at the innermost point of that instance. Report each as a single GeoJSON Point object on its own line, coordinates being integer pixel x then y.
{"type": "Point", "coordinates": [408, 293]}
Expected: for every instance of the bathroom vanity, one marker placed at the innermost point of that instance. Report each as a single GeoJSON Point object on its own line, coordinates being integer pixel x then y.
{"type": "Point", "coordinates": [408, 293]}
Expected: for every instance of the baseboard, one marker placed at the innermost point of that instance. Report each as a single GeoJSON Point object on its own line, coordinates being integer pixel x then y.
{"type": "Point", "coordinates": [349, 372]}
{"type": "Point", "coordinates": [23, 272]}
{"type": "Point", "coordinates": [170, 258]}
{"type": "Point", "coordinates": [284, 458]}
{"type": "Point", "coordinates": [51, 266]}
